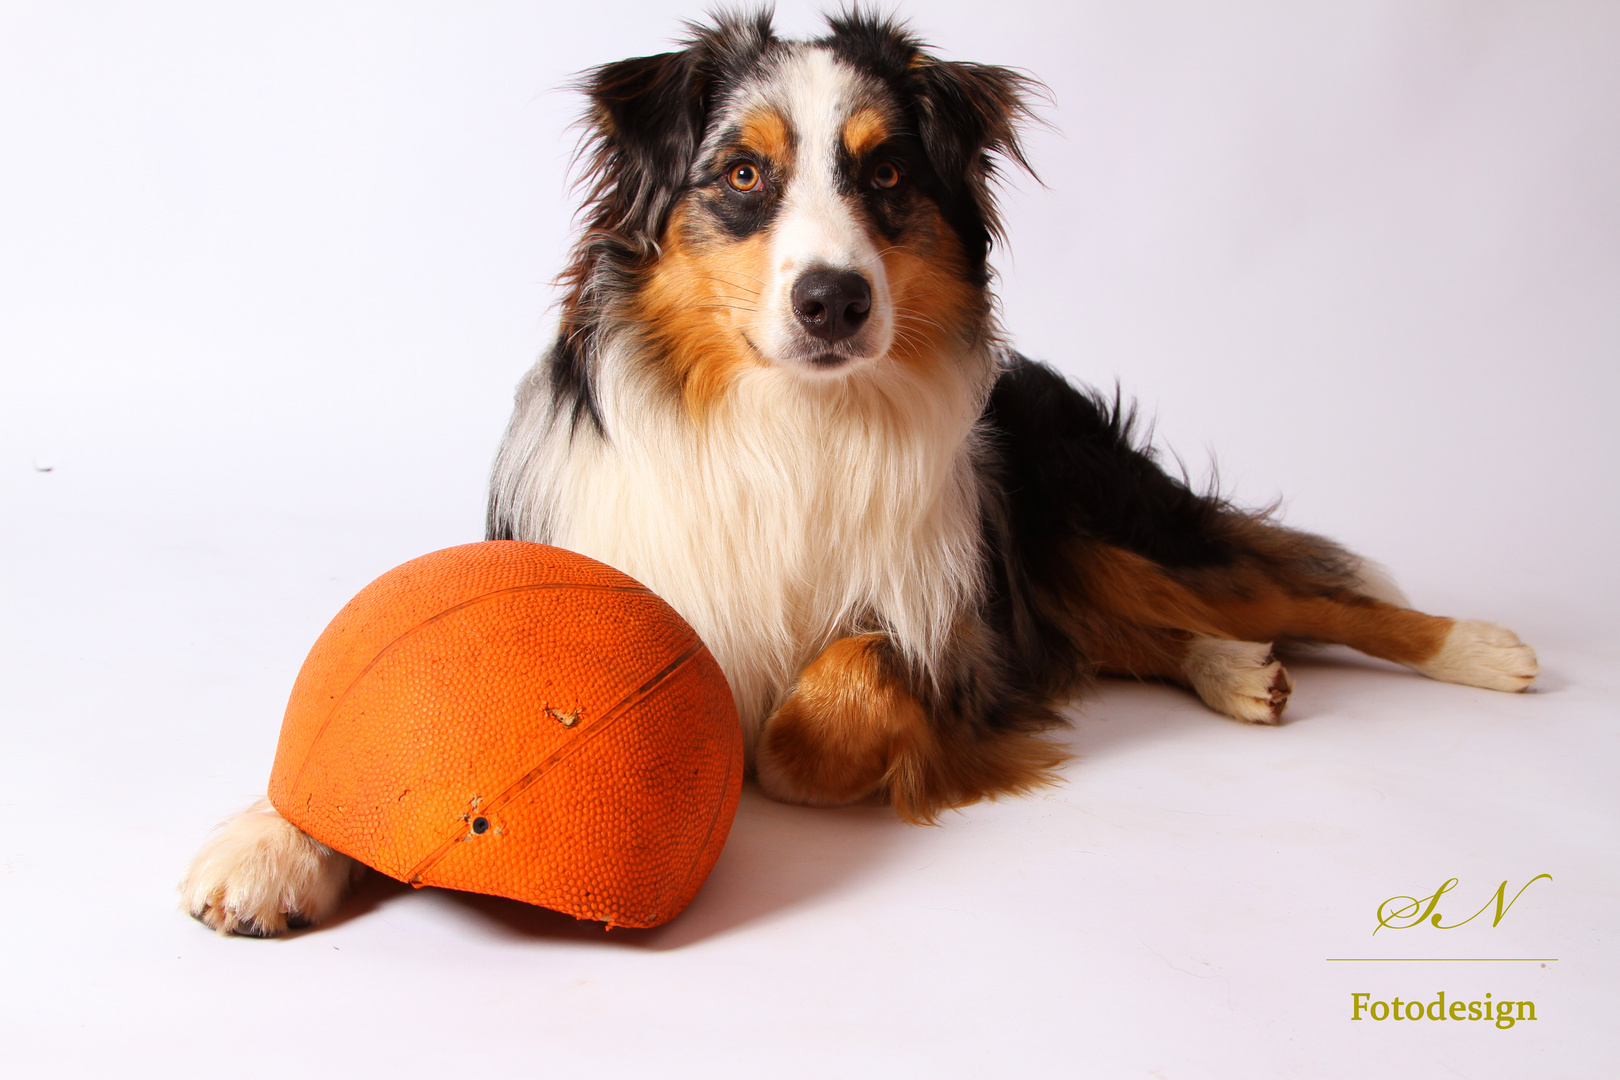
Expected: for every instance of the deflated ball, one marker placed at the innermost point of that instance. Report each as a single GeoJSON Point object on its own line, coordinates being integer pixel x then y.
{"type": "Point", "coordinates": [519, 720]}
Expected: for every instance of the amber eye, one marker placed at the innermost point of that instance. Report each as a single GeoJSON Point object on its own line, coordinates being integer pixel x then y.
{"type": "Point", "coordinates": [886, 175]}
{"type": "Point", "coordinates": [744, 177]}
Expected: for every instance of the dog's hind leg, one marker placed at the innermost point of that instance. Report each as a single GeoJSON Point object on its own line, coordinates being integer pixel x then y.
{"type": "Point", "coordinates": [1241, 679]}
{"type": "Point", "coordinates": [1213, 631]}
{"type": "Point", "coordinates": [259, 876]}
{"type": "Point", "coordinates": [1287, 584]}
{"type": "Point", "coordinates": [1266, 598]}
{"type": "Point", "coordinates": [1465, 651]}
{"type": "Point", "coordinates": [1139, 623]}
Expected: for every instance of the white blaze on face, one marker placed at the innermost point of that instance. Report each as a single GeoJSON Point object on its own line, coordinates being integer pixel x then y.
{"type": "Point", "coordinates": [818, 225]}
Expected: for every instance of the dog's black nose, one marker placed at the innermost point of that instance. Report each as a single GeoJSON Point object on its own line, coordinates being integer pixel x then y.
{"type": "Point", "coordinates": [832, 304]}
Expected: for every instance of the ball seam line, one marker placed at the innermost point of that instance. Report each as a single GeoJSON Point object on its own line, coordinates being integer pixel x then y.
{"type": "Point", "coordinates": [585, 735]}
{"type": "Point", "coordinates": [708, 837]}
{"type": "Point", "coordinates": [326, 722]}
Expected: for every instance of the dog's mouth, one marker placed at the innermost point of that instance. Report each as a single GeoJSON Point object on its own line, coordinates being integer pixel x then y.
{"type": "Point", "coordinates": [824, 360]}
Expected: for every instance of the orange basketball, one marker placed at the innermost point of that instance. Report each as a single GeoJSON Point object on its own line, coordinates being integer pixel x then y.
{"type": "Point", "coordinates": [516, 719]}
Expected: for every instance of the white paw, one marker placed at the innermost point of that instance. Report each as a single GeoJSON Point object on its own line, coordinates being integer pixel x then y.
{"type": "Point", "coordinates": [1483, 654]}
{"type": "Point", "coordinates": [259, 876]}
{"type": "Point", "coordinates": [1239, 678]}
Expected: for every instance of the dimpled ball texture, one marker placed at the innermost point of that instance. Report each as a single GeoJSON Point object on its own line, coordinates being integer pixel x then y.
{"type": "Point", "coordinates": [516, 719]}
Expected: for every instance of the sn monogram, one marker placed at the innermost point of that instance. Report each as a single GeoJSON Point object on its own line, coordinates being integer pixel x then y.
{"type": "Point", "coordinates": [1403, 912]}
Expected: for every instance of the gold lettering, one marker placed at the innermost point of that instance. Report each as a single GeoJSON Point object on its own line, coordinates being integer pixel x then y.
{"type": "Point", "coordinates": [1501, 909]}
{"type": "Point", "coordinates": [1411, 906]}
{"type": "Point", "coordinates": [1404, 912]}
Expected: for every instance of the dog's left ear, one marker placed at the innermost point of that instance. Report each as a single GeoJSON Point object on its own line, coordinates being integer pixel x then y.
{"type": "Point", "coordinates": [966, 110]}
{"type": "Point", "coordinates": [967, 116]}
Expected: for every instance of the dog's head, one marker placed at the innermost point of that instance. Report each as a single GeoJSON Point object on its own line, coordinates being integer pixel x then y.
{"type": "Point", "coordinates": [817, 206]}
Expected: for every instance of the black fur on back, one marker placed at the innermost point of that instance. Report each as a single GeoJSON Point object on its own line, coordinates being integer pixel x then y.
{"type": "Point", "coordinates": [1065, 469]}
{"type": "Point", "coordinates": [1068, 473]}
{"type": "Point", "coordinates": [1075, 471]}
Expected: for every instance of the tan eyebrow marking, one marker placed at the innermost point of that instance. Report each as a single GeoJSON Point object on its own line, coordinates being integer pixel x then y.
{"type": "Point", "coordinates": [864, 131]}
{"type": "Point", "coordinates": [765, 131]}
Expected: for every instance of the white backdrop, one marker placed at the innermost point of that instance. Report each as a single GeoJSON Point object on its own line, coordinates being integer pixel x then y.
{"type": "Point", "coordinates": [269, 274]}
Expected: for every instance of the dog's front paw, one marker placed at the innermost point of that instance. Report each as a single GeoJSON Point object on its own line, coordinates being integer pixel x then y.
{"type": "Point", "coordinates": [1483, 654]}
{"type": "Point", "coordinates": [260, 876]}
{"type": "Point", "coordinates": [1242, 679]}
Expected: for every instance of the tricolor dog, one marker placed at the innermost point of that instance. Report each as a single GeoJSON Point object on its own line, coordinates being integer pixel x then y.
{"type": "Point", "coordinates": [780, 398]}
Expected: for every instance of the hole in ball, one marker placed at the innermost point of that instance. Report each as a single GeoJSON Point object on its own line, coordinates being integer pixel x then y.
{"type": "Point", "coordinates": [480, 825]}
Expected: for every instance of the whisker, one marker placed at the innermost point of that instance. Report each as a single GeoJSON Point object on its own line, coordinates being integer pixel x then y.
{"type": "Point", "coordinates": [716, 276]}
{"type": "Point", "coordinates": [722, 297]}
{"type": "Point", "coordinates": [901, 316]}
{"type": "Point", "coordinates": [753, 296]}
{"type": "Point", "coordinates": [710, 307]}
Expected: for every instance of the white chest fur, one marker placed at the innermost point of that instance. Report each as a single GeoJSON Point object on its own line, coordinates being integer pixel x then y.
{"type": "Point", "coordinates": [793, 514]}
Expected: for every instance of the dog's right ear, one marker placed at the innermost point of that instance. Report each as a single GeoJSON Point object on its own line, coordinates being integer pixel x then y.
{"type": "Point", "coordinates": [647, 119]}
{"type": "Point", "coordinates": [645, 123]}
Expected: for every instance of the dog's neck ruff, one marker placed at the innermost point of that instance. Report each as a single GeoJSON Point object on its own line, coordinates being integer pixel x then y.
{"type": "Point", "coordinates": [795, 512]}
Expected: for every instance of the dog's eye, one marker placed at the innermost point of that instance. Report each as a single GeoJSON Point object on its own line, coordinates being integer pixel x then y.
{"type": "Point", "coordinates": [744, 177]}
{"type": "Point", "coordinates": [885, 175]}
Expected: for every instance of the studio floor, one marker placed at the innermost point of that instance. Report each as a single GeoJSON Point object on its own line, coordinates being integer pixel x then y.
{"type": "Point", "coordinates": [1195, 898]}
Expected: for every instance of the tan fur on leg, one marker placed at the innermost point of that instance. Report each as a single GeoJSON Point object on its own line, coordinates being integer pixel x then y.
{"type": "Point", "coordinates": [259, 876]}
{"type": "Point", "coordinates": [852, 728]}
{"type": "Point", "coordinates": [831, 742]}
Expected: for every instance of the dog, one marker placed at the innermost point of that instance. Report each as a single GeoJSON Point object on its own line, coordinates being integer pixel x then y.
{"type": "Point", "coordinates": [780, 398]}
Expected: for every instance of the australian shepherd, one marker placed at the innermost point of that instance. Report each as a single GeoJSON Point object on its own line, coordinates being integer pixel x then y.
{"type": "Point", "coordinates": [779, 397]}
